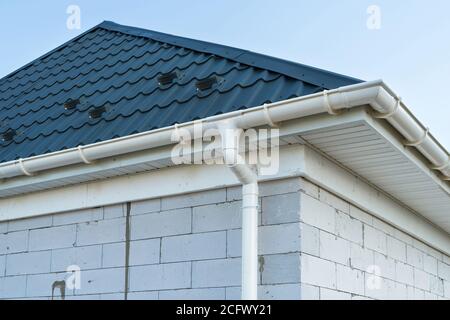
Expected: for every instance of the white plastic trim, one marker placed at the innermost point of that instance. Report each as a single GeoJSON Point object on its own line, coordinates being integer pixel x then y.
{"type": "Point", "coordinates": [389, 114]}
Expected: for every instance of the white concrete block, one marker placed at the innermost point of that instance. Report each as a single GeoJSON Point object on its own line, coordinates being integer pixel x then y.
{"type": "Point", "coordinates": [437, 285]}
{"type": "Point", "coordinates": [14, 242]}
{"type": "Point", "coordinates": [87, 215]}
{"type": "Point", "coordinates": [309, 239]}
{"type": "Point", "coordinates": [334, 248]}
{"type": "Point", "coordinates": [404, 273]}
{"type": "Point", "coordinates": [216, 273]}
{"type": "Point", "coordinates": [280, 268]}
{"type": "Point", "coordinates": [2, 265]}
{"type": "Point", "coordinates": [193, 294]}
{"type": "Point", "coordinates": [396, 249]}
{"type": "Point", "coordinates": [422, 280]}
{"type": "Point", "coordinates": [284, 208]}
{"type": "Point", "coordinates": [105, 231]}
{"type": "Point", "coordinates": [28, 263]}
{"type": "Point", "coordinates": [309, 188]}
{"type": "Point", "coordinates": [146, 206]}
{"type": "Point", "coordinates": [334, 201]}
{"type": "Point", "coordinates": [386, 265]}
{"type": "Point", "coordinates": [317, 214]}
{"type": "Point", "coordinates": [349, 228]}
{"type": "Point", "coordinates": [161, 224]}
{"type": "Point", "coordinates": [114, 211]}
{"type": "Point", "coordinates": [289, 291]}
{"type": "Point", "coordinates": [194, 199]}
{"type": "Point", "coordinates": [274, 187]}
{"type": "Point", "coordinates": [191, 247]}
{"type": "Point", "coordinates": [40, 285]}
{"type": "Point", "coordinates": [13, 287]}
{"type": "Point", "coordinates": [318, 272]}
{"type": "Point", "coordinates": [52, 238]}
{"type": "Point", "coordinates": [444, 270]}
{"type": "Point", "coordinates": [414, 257]}
{"type": "Point", "coordinates": [144, 252]}
{"type": "Point", "coordinates": [233, 293]}
{"type": "Point", "coordinates": [447, 289]}
{"type": "Point", "coordinates": [217, 217]}
{"type": "Point", "coordinates": [30, 223]}
{"type": "Point", "coordinates": [84, 257]}
{"type": "Point", "coordinates": [361, 258]}
{"type": "Point", "coordinates": [350, 280]}
{"type": "Point", "coordinates": [102, 281]}
{"type": "Point", "coordinates": [3, 227]}
{"type": "Point", "coordinates": [430, 264]}
{"type": "Point", "coordinates": [113, 255]}
{"type": "Point", "coordinates": [375, 239]}
{"type": "Point", "coordinates": [144, 295]}
{"type": "Point", "coordinates": [283, 238]}
{"type": "Point", "coordinates": [309, 292]}
{"type": "Point", "coordinates": [112, 296]}
{"type": "Point", "coordinates": [327, 294]}
{"type": "Point", "coordinates": [161, 277]}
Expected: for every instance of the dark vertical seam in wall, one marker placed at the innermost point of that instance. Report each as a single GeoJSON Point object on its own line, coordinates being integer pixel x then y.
{"type": "Point", "coordinates": [127, 248]}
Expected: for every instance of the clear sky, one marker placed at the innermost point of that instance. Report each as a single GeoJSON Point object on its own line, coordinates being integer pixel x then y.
{"type": "Point", "coordinates": [410, 51]}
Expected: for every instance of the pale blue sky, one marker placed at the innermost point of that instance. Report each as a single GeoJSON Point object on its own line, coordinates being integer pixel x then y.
{"type": "Point", "coordinates": [411, 51]}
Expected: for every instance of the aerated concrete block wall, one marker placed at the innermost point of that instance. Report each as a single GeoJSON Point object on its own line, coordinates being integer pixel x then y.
{"type": "Point", "coordinates": [180, 247]}
{"type": "Point", "coordinates": [350, 254]}
{"type": "Point", "coordinates": [313, 245]}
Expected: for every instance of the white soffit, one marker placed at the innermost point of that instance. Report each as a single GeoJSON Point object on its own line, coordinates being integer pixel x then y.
{"type": "Point", "coordinates": [372, 150]}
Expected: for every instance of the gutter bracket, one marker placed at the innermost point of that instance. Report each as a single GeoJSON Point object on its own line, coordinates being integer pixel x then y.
{"type": "Point", "coordinates": [83, 156]}
{"type": "Point", "coordinates": [442, 167]}
{"type": "Point", "coordinates": [327, 104]}
{"type": "Point", "coordinates": [418, 142]}
{"type": "Point", "coordinates": [269, 119]}
{"type": "Point", "coordinates": [24, 170]}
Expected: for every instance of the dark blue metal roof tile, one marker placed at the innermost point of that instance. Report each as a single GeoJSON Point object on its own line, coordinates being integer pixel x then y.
{"type": "Point", "coordinates": [117, 68]}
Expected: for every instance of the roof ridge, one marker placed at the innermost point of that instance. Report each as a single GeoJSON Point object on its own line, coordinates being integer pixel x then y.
{"type": "Point", "coordinates": [312, 75]}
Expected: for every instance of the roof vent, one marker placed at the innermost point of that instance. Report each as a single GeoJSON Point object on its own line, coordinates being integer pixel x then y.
{"type": "Point", "coordinates": [96, 112]}
{"type": "Point", "coordinates": [167, 78]}
{"type": "Point", "coordinates": [206, 84]}
{"type": "Point", "coordinates": [8, 135]}
{"type": "Point", "coordinates": [71, 104]}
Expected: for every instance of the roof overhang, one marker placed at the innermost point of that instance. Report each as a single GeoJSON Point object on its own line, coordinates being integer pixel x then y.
{"type": "Point", "coordinates": [390, 150]}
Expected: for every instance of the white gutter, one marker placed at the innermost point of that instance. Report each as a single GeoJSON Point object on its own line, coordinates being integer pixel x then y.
{"type": "Point", "coordinates": [230, 146]}
{"type": "Point", "coordinates": [383, 101]}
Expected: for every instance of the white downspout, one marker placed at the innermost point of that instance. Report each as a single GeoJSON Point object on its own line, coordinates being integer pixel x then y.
{"type": "Point", "coordinates": [247, 176]}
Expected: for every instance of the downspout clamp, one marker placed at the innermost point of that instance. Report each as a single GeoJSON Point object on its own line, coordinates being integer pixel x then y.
{"type": "Point", "coordinates": [248, 177]}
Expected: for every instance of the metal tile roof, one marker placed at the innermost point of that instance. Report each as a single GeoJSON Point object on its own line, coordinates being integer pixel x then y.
{"type": "Point", "coordinates": [117, 68]}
